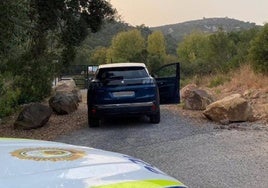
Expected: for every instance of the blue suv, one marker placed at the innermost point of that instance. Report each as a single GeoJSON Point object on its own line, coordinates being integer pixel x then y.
{"type": "Point", "coordinates": [127, 89]}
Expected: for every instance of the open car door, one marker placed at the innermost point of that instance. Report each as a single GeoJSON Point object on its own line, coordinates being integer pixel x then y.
{"type": "Point", "coordinates": [168, 81]}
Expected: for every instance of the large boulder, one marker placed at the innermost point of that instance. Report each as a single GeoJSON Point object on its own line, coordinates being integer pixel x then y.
{"type": "Point", "coordinates": [185, 91]}
{"type": "Point", "coordinates": [64, 103]}
{"type": "Point", "coordinates": [68, 86]}
{"type": "Point", "coordinates": [78, 94]}
{"type": "Point", "coordinates": [32, 116]}
{"type": "Point", "coordinates": [65, 86]}
{"type": "Point", "coordinates": [194, 98]}
{"type": "Point", "coordinates": [259, 101]}
{"type": "Point", "coordinates": [233, 108]}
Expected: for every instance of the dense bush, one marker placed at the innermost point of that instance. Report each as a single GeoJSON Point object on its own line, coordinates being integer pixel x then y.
{"type": "Point", "coordinates": [35, 35]}
{"type": "Point", "coordinates": [9, 96]}
{"type": "Point", "coordinates": [259, 51]}
{"type": "Point", "coordinates": [204, 54]}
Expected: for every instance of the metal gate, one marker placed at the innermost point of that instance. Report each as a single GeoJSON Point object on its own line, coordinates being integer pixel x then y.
{"type": "Point", "coordinates": [81, 74]}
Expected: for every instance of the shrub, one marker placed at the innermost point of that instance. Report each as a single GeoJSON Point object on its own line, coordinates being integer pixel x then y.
{"type": "Point", "coordinates": [34, 78]}
{"type": "Point", "coordinates": [259, 50]}
{"type": "Point", "coordinates": [8, 97]}
{"type": "Point", "coordinates": [218, 80]}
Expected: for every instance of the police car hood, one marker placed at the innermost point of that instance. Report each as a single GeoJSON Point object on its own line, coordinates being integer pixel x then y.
{"type": "Point", "coordinates": [43, 164]}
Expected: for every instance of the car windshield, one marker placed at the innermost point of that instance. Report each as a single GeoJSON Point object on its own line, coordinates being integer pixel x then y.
{"type": "Point", "coordinates": [122, 73]}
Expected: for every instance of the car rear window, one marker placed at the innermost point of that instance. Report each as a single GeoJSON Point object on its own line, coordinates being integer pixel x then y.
{"type": "Point", "coordinates": [122, 73]}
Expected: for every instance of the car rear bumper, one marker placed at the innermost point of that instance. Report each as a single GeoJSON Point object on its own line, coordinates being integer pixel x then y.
{"type": "Point", "coordinates": [124, 109]}
{"type": "Point", "coordinates": [125, 105]}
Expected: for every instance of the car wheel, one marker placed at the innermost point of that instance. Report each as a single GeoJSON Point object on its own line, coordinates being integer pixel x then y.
{"type": "Point", "coordinates": [155, 118]}
{"type": "Point", "coordinates": [93, 122]}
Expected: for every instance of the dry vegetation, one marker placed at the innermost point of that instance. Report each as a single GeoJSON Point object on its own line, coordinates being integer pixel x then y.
{"type": "Point", "coordinates": [254, 87]}
{"type": "Point", "coordinates": [244, 80]}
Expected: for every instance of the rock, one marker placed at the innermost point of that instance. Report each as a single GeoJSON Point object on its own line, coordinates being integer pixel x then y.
{"type": "Point", "coordinates": [185, 92]}
{"type": "Point", "coordinates": [68, 86]}
{"type": "Point", "coordinates": [261, 111]}
{"type": "Point", "coordinates": [64, 103]}
{"type": "Point", "coordinates": [197, 100]}
{"type": "Point", "coordinates": [233, 108]}
{"type": "Point", "coordinates": [78, 94]}
{"type": "Point", "coordinates": [65, 86]}
{"type": "Point", "coordinates": [252, 94]}
{"type": "Point", "coordinates": [33, 116]}
{"type": "Point", "coordinates": [66, 97]}
{"type": "Point", "coordinates": [194, 98]}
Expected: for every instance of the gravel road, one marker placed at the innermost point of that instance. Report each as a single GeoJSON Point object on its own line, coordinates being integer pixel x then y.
{"type": "Point", "coordinates": [198, 154]}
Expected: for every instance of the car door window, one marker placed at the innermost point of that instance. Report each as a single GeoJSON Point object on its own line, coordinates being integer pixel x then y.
{"type": "Point", "coordinates": [168, 81]}
{"type": "Point", "coordinates": [166, 71]}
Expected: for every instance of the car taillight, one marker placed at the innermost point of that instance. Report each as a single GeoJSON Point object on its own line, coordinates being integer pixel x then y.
{"type": "Point", "coordinates": [147, 81]}
{"type": "Point", "coordinates": [93, 111]}
{"type": "Point", "coordinates": [154, 107]}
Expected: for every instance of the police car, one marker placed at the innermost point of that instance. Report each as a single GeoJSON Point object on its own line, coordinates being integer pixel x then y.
{"type": "Point", "coordinates": [43, 164]}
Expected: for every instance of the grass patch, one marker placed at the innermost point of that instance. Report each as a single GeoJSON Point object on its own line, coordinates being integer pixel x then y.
{"type": "Point", "coordinates": [217, 81]}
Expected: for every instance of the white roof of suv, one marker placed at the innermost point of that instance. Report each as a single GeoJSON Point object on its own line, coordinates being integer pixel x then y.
{"type": "Point", "coordinates": [112, 65]}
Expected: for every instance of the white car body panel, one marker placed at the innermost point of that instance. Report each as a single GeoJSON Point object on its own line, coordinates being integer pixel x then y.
{"type": "Point", "coordinates": [31, 164]}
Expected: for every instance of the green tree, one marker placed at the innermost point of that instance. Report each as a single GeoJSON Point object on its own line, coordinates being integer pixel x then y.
{"type": "Point", "coordinates": [70, 21]}
{"type": "Point", "coordinates": [193, 47]}
{"type": "Point", "coordinates": [221, 51]}
{"type": "Point", "coordinates": [14, 28]}
{"type": "Point", "coordinates": [259, 51]}
{"type": "Point", "coordinates": [128, 46]}
{"type": "Point", "coordinates": [156, 48]}
{"type": "Point", "coordinates": [99, 56]}
{"type": "Point", "coordinates": [53, 30]}
{"type": "Point", "coordinates": [241, 40]}
{"type": "Point", "coordinates": [171, 45]}
{"type": "Point", "coordinates": [145, 31]}
{"type": "Point", "coordinates": [193, 54]}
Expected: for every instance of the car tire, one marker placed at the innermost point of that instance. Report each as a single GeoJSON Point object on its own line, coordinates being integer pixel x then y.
{"type": "Point", "coordinates": [155, 118]}
{"type": "Point", "coordinates": [93, 122]}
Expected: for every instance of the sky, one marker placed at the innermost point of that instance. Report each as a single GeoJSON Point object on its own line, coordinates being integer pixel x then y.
{"type": "Point", "coordinates": [163, 12]}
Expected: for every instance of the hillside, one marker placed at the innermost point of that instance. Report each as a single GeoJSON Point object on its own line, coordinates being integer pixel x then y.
{"type": "Point", "coordinates": [207, 25]}
{"type": "Point", "coordinates": [104, 37]}
{"type": "Point", "coordinates": [173, 33]}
